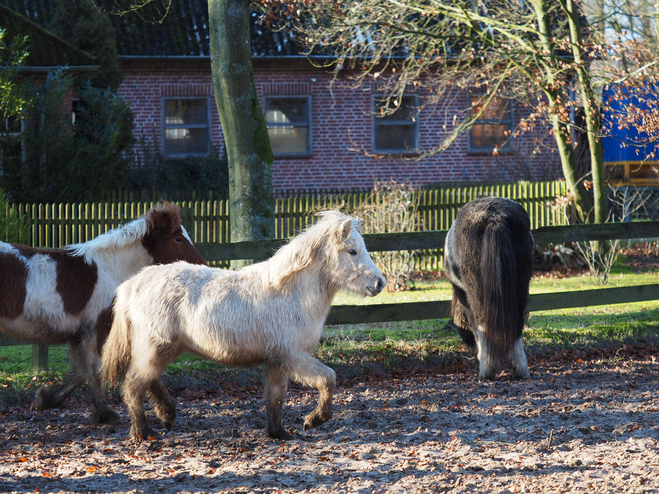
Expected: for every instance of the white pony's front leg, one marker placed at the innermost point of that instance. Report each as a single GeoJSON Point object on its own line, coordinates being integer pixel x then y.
{"type": "Point", "coordinates": [306, 370]}
{"type": "Point", "coordinates": [276, 386]}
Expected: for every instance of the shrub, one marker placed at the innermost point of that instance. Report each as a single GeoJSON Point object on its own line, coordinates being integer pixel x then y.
{"type": "Point", "coordinates": [391, 208]}
{"type": "Point", "coordinates": [60, 161]}
{"type": "Point", "coordinates": [13, 228]}
{"type": "Point", "coordinates": [154, 172]}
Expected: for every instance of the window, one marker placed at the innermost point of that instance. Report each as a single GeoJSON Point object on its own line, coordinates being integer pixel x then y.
{"type": "Point", "coordinates": [289, 124]}
{"type": "Point", "coordinates": [397, 131]}
{"type": "Point", "coordinates": [493, 129]}
{"type": "Point", "coordinates": [185, 126]}
{"type": "Point", "coordinates": [12, 146]}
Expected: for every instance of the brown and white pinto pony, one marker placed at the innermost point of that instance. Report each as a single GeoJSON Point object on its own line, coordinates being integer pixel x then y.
{"type": "Point", "coordinates": [272, 312]}
{"type": "Point", "coordinates": [65, 296]}
{"type": "Point", "coordinates": [488, 258]}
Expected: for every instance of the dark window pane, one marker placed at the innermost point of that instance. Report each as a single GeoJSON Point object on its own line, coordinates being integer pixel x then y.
{"type": "Point", "coordinates": [286, 110]}
{"type": "Point", "coordinates": [185, 111]}
{"type": "Point", "coordinates": [645, 171]}
{"type": "Point", "coordinates": [496, 110]}
{"type": "Point", "coordinates": [395, 138]}
{"type": "Point", "coordinates": [488, 136]}
{"type": "Point", "coordinates": [289, 139]}
{"type": "Point", "coordinates": [288, 124]}
{"type": "Point", "coordinates": [186, 141]}
{"type": "Point", "coordinates": [406, 110]}
{"type": "Point", "coordinates": [615, 172]}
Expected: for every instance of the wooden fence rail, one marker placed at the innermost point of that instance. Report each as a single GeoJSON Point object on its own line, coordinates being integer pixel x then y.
{"type": "Point", "coordinates": [347, 314]}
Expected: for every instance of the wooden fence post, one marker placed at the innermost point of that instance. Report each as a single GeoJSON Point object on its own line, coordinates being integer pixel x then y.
{"type": "Point", "coordinates": [39, 357]}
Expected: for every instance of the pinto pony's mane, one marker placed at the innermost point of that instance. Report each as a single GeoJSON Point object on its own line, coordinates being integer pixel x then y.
{"type": "Point", "coordinates": [165, 216]}
{"type": "Point", "coordinates": [309, 248]}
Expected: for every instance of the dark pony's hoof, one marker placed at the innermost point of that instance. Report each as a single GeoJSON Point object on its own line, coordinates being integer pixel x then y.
{"type": "Point", "coordinates": [526, 374]}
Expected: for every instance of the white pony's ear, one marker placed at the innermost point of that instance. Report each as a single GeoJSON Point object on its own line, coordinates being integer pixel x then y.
{"type": "Point", "coordinates": [345, 230]}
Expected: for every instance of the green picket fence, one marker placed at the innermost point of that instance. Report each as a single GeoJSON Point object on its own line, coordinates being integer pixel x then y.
{"type": "Point", "coordinates": [57, 225]}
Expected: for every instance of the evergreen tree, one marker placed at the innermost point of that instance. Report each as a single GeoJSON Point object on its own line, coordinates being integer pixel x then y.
{"type": "Point", "coordinates": [81, 24]}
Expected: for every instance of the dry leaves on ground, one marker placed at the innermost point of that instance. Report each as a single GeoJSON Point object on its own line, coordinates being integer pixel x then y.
{"type": "Point", "coordinates": [584, 423]}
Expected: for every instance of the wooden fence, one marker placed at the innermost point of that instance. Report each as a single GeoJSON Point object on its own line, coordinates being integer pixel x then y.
{"type": "Point", "coordinates": [57, 225]}
{"type": "Point", "coordinates": [347, 314]}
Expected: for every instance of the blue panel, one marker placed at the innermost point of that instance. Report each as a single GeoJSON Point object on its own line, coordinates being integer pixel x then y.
{"type": "Point", "coordinates": [613, 148]}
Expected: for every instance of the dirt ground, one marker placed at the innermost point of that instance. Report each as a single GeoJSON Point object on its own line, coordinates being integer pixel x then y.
{"type": "Point", "coordinates": [583, 423]}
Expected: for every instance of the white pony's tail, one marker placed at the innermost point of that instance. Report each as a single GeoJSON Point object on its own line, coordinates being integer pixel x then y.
{"type": "Point", "coordinates": [117, 349]}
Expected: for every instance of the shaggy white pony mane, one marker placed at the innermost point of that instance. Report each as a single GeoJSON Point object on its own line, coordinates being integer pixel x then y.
{"type": "Point", "coordinates": [310, 246]}
{"type": "Point", "coordinates": [130, 233]}
{"type": "Point", "coordinates": [113, 239]}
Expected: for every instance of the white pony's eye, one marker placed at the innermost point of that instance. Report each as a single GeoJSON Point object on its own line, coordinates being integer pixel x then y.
{"type": "Point", "coordinates": [352, 252]}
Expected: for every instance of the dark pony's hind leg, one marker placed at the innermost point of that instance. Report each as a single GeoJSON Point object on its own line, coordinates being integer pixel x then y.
{"type": "Point", "coordinates": [276, 385]}
{"type": "Point", "coordinates": [488, 360]}
{"type": "Point", "coordinates": [518, 360]}
{"type": "Point", "coordinates": [164, 403]}
{"type": "Point", "coordinates": [85, 363]}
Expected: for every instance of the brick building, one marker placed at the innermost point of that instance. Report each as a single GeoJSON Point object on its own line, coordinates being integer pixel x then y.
{"type": "Point", "coordinates": [323, 138]}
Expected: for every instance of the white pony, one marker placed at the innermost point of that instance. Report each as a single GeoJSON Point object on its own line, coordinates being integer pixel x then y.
{"type": "Point", "coordinates": [272, 312]}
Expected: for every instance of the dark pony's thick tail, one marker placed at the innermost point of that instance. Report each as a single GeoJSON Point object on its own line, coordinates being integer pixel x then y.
{"type": "Point", "coordinates": [504, 283]}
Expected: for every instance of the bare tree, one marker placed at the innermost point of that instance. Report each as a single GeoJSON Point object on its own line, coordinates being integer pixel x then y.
{"type": "Point", "coordinates": [537, 52]}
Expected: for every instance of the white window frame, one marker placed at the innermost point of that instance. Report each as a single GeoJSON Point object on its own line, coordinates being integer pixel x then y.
{"type": "Point", "coordinates": [377, 122]}
{"type": "Point", "coordinates": [306, 124]}
{"type": "Point", "coordinates": [165, 126]}
{"type": "Point", "coordinates": [509, 146]}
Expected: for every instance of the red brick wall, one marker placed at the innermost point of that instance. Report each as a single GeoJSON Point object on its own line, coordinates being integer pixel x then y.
{"type": "Point", "coordinates": [341, 131]}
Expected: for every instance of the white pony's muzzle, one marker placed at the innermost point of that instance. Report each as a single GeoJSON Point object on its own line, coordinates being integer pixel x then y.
{"type": "Point", "coordinates": [377, 286]}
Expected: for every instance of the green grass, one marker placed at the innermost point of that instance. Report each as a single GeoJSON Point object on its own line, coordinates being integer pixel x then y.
{"type": "Point", "coordinates": [359, 349]}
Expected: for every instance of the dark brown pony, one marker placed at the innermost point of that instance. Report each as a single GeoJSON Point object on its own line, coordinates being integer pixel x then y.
{"type": "Point", "coordinates": [488, 258]}
{"type": "Point", "coordinates": [65, 296]}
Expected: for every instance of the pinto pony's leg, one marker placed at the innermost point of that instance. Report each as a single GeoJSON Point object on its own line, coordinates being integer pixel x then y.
{"type": "Point", "coordinates": [306, 370]}
{"type": "Point", "coordinates": [276, 385]}
{"type": "Point", "coordinates": [85, 364]}
{"type": "Point", "coordinates": [53, 396]}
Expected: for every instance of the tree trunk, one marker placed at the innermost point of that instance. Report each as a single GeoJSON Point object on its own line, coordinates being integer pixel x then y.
{"type": "Point", "coordinates": [574, 182]}
{"type": "Point", "coordinates": [245, 132]}
{"type": "Point", "coordinates": [591, 111]}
